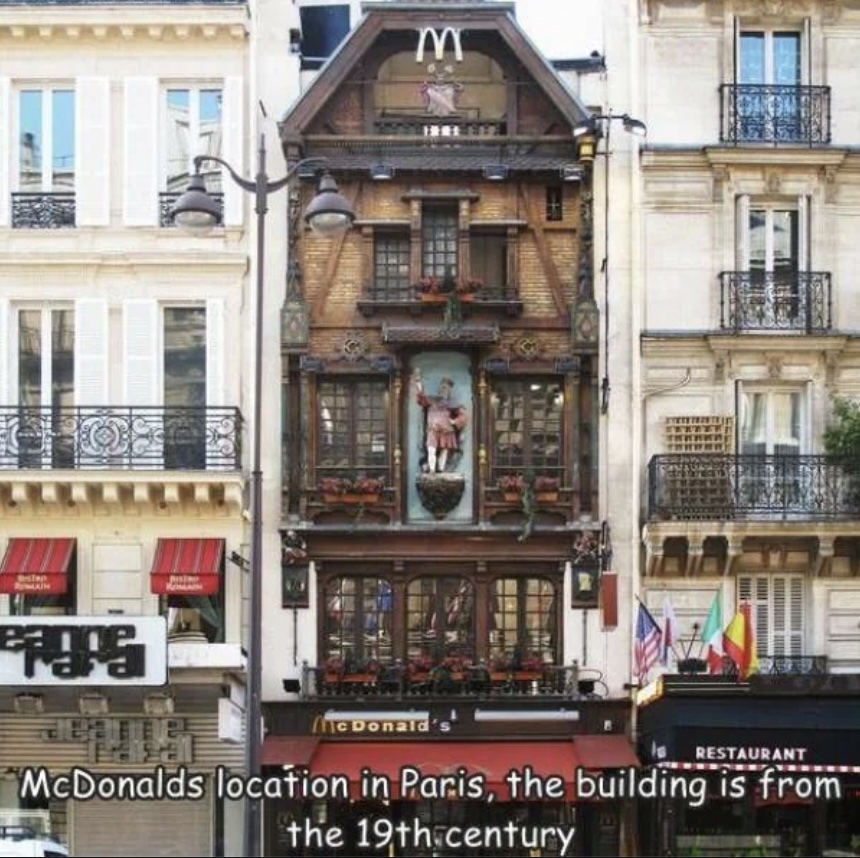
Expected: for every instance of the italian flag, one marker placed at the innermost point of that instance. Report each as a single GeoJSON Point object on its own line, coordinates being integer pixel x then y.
{"type": "Point", "coordinates": [712, 634]}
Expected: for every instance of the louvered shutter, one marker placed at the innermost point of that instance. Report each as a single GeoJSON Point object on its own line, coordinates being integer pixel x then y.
{"type": "Point", "coordinates": [803, 237]}
{"type": "Point", "coordinates": [218, 435]}
{"type": "Point", "coordinates": [5, 149]}
{"type": "Point", "coordinates": [6, 340]}
{"type": "Point", "coordinates": [92, 151]}
{"type": "Point", "coordinates": [777, 608]}
{"type": "Point", "coordinates": [91, 351]}
{"type": "Point", "coordinates": [233, 138]}
{"type": "Point", "coordinates": [787, 603]}
{"type": "Point", "coordinates": [755, 590]}
{"type": "Point", "coordinates": [140, 145]}
{"type": "Point", "coordinates": [742, 232]}
{"type": "Point", "coordinates": [141, 344]}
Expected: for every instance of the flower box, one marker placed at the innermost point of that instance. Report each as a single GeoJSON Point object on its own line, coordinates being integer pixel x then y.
{"type": "Point", "coordinates": [351, 498]}
{"type": "Point", "coordinates": [527, 675]}
{"type": "Point", "coordinates": [359, 678]}
{"type": "Point", "coordinates": [442, 298]}
{"type": "Point", "coordinates": [540, 497]}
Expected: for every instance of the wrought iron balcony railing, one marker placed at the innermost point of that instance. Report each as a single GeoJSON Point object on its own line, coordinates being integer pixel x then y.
{"type": "Point", "coordinates": [394, 681]}
{"type": "Point", "coordinates": [767, 113]}
{"type": "Point", "coordinates": [122, 438]}
{"type": "Point", "coordinates": [792, 665]}
{"type": "Point", "coordinates": [39, 210]}
{"type": "Point", "coordinates": [775, 301]}
{"type": "Point", "coordinates": [686, 486]}
{"type": "Point", "coordinates": [166, 201]}
{"type": "Point", "coordinates": [393, 293]}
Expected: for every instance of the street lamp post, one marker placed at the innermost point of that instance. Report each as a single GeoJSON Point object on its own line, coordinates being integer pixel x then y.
{"type": "Point", "coordinates": [329, 215]}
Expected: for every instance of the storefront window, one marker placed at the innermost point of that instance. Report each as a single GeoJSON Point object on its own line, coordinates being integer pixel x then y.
{"type": "Point", "coordinates": [522, 620]}
{"type": "Point", "coordinates": [440, 619]}
{"type": "Point", "coordinates": [358, 614]}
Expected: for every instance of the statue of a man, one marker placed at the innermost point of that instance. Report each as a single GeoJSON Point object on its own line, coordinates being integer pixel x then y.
{"type": "Point", "coordinates": [444, 421]}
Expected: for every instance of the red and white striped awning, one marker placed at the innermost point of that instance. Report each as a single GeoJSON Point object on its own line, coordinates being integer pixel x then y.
{"type": "Point", "coordinates": [757, 767]}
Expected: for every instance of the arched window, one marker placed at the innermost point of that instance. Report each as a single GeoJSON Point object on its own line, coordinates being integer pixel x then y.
{"type": "Point", "coordinates": [523, 620]}
{"type": "Point", "coordinates": [440, 618]}
{"type": "Point", "coordinates": [357, 625]}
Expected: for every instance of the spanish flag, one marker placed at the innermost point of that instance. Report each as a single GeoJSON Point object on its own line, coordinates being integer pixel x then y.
{"type": "Point", "coordinates": [739, 642]}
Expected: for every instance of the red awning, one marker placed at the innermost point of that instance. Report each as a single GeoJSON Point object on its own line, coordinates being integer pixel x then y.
{"type": "Point", "coordinates": [492, 759]}
{"type": "Point", "coordinates": [605, 752]}
{"type": "Point", "coordinates": [36, 567]}
{"type": "Point", "coordinates": [288, 750]}
{"type": "Point", "coordinates": [187, 567]}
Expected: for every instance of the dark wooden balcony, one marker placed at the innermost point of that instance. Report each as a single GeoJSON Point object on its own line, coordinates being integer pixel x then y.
{"type": "Point", "coordinates": [407, 297]}
{"type": "Point", "coordinates": [766, 113]}
{"type": "Point", "coordinates": [395, 681]}
{"type": "Point", "coordinates": [410, 125]}
{"type": "Point", "coordinates": [42, 210]}
{"type": "Point", "coordinates": [716, 486]}
{"type": "Point", "coordinates": [797, 301]}
{"type": "Point", "coordinates": [116, 437]}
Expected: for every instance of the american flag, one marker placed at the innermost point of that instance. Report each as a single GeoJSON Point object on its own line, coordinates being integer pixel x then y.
{"type": "Point", "coordinates": [646, 647]}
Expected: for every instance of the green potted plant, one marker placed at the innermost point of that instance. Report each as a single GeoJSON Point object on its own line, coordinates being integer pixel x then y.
{"type": "Point", "coordinates": [842, 443]}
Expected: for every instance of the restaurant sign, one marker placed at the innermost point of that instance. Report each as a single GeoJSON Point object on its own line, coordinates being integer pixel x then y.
{"type": "Point", "coordinates": [37, 650]}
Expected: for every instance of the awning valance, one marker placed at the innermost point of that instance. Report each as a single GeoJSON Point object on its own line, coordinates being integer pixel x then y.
{"type": "Point", "coordinates": [187, 567]}
{"type": "Point", "coordinates": [36, 567]}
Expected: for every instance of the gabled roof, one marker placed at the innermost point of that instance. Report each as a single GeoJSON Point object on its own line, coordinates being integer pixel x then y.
{"type": "Point", "coordinates": [403, 15]}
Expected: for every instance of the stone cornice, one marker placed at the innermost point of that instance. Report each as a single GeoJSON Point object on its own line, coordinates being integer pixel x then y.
{"type": "Point", "coordinates": [748, 156]}
{"type": "Point", "coordinates": [101, 23]}
{"type": "Point", "coordinates": [194, 263]}
{"type": "Point", "coordinates": [708, 157]}
{"type": "Point", "coordinates": [71, 494]}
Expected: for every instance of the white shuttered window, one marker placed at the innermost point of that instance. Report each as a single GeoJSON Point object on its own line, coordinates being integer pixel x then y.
{"type": "Point", "coordinates": [778, 612]}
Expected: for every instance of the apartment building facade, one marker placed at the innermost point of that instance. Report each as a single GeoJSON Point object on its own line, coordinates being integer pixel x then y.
{"type": "Point", "coordinates": [121, 482]}
{"type": "Point", "coordinates": [443, 538]}
{"type": "Point", "coordinates": [749, 210]}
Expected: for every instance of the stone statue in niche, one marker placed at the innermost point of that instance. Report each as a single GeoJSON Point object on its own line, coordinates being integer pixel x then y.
{"type": "Point", "coordinates": [440, 483]}
{"type": "Point", "coordinates": [444, 421]}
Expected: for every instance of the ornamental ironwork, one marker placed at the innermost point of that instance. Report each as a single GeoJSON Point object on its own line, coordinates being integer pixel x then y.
{"type": "Point", "coordinates": [167, 200]}
{"type": "Point", "coordinates": [687, 486]}
{"type": "Point", "coordinates": [123, 438]}
{"type": "Point", "coordinates": [42, 210]}
{"type": "Point", "coordinates": [775, 301]}
{"type": "Point", "coordinates": [768, 113]}
{"type": "Point", "coordinates": [778, 665]}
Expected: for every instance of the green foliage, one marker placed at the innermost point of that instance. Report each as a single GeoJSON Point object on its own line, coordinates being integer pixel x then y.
{"type": "Point", "coordinates": [842, 435]}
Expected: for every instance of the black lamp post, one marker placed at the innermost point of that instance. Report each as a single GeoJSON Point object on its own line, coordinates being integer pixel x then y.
{"type": "Point", "coordinates": [596, 126]}
{"type": "Point", "coordinates": [329, 215]}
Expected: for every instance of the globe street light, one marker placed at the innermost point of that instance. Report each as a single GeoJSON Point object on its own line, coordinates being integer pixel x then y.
{"type": "Point", "coordinates": [328, 215]}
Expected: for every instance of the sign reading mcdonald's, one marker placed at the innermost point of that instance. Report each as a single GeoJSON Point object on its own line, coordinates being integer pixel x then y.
{"type": "Point", "coordinates": [377, 727]}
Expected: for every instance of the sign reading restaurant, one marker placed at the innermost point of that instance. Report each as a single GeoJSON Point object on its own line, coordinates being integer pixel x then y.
{"type": "Point", "coordinates": [110, 650]}
{"type": "Point", "coordinates": [750, 754]}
